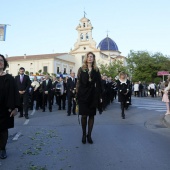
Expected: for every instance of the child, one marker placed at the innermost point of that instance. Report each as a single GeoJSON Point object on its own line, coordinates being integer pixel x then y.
{"type": "Point", "coordinates": [166, 98]}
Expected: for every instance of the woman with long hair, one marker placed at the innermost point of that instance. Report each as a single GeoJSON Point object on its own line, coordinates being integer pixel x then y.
{"type": "Point", "coordinates": [9, 103]}
{"type": "Point", "coordinates": [89, 94]}
{"type": "Point", "coordinates": [123, 86]}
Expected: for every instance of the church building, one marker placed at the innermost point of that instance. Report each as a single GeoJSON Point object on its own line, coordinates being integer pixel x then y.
{"type": "Point", "coordinates": [63, 63]}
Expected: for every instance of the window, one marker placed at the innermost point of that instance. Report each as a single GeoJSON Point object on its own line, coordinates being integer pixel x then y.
{"type": "Point", "coordinates": [58, 70]}
{"type": "Point", "coordinates": [87, 36]}
{"type": "Point", "coordinates": [64, 71]}
{"type": "Point", "coordinates": [81, 36]}
{"type": "Point", "coordinates": [84, 25]}
{"type": "Point", "coordinates": [70, 70]}
{"type": "Point", "coordinates": [45, 69]}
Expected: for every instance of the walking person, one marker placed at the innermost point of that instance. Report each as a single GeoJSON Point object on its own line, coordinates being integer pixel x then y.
{"type": "Point", "coordinates": [71, 90]}
{"type": "Point", "coordinates": [166, 98]}
{"type": "Point", "coordinates": [89, 94]}
{"type": "Point", "coordinates": [140, 89]}
{"type": "Point", "coordinates": [9, 103]}
{"type": "Point", "coordinates": [151, 88]}
{"type": "Point", "coordinates": [23, 84]}
{"type": "Point", "coordinates": [136, 89]}
{"type": "Point", "coordinates": [53, 92]}
{"type": "Point", "coordinates": [46, 87]}
{"type": "Point", "coordinates": [62, 95]}
{"type": "Point", "coordinates": [123, 86]}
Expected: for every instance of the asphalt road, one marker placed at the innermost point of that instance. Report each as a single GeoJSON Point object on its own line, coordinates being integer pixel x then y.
{"type": "Point", "coordinates": [52, 141]}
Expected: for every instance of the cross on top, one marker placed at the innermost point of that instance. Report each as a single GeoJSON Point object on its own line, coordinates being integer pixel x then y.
{"type": "Point", "coordinates": [107, 32]}
{"type": "Point", "coordinates": [85, 14]}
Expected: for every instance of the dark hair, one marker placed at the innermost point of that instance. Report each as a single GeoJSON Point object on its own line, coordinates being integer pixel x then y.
{"type": "Point", "coordinates": [5, 62]}
{"type": "Point", "coordinates": [166, 84]}
{"type": "Point", "coordinates": [22, 68]}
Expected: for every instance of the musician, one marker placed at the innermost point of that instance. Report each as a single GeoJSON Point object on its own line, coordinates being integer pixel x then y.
{"type": "Point", "coordinates": [62, 94]}
{"type": "Point", "coordinates": [46, 87]}
{"type": "Point", "coordinates": [35, 94]}
{"type": "Point", "coordinates": [123, 90]}
{"type": "Point", "coordinates": [71, 91]}
{"type": "Point", "coordinates": [53, 92]}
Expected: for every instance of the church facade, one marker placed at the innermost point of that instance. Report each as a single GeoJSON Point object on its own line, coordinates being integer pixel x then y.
{"type": "Point", "coordinates": [63, 63]}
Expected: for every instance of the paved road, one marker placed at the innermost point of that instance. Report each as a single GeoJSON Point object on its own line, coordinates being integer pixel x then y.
{"type": "Point", "coordinates": [52, 141]}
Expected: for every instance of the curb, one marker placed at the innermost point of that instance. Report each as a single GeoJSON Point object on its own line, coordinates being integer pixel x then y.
{"type": "Point", "coordinates": [167, 120]}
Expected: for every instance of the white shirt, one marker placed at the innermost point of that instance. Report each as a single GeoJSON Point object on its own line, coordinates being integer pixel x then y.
{"type": "Point", "coordinates": [136, 87]}
{"type": "Point", "coordinates": [151, 86]}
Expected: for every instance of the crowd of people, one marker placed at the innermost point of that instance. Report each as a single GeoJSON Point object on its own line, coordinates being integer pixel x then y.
{"type": "Point", "coordinates": [89, 91]}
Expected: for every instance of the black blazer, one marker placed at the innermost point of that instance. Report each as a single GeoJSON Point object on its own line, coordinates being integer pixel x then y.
{"type": "Point", "coordinates": [47, 87]}
{"type": "Point", "coordinates": [25, 85]}
{"type": "Point", "coordinates": [71, 85]}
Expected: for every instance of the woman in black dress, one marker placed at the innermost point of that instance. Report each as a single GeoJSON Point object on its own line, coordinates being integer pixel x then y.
{"type": "Point", "coordinates": [123, 86]}
{"type": "Point", "coordinates": [89, 94]}
{"type": "Point", "coordinates": [9, 102]}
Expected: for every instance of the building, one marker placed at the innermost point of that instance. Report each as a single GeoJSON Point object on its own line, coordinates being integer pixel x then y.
{"type": "Point", "coordinates": [106, 52]}
{"type": "Point", "coordinates": [47, 63]}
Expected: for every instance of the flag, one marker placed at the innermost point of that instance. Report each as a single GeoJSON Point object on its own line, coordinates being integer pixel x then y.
{"type": "Point", "coordinates": [2, 32]}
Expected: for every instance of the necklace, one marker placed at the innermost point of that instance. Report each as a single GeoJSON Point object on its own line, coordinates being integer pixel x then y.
{"type": "Point", "coordinates": [89, 72]}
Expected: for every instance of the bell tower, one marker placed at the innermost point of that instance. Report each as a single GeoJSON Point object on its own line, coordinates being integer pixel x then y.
{"type": "Point", "coordinates": [85, 40]}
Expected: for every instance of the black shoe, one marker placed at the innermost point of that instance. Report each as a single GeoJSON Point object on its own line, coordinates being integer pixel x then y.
{"type": "Point", "coordinates": [64, 109]}
{"type": "Point", "coordinates": [123, 116]}
{"type": "Point", "coordinates": [43, 111]}
{"type": "Point", "coordinates": [89, 139]}
{"type": "Point", "coordinates": [84, 139]}
{"type": "Point", "coordinates": [20, 116]}
{"type": "Point", "coordinates": [74, 114]}
{"type": "Point", "coordinates": [26, 117]}
{"type": "Point", "coordinates": [68, 115]}
{"type": "Point", "coordinates": [59, 108]}
{"type": "Point", "coordinates": [50, 110]}
{"type": "Point", "coordinates": [3, 154]}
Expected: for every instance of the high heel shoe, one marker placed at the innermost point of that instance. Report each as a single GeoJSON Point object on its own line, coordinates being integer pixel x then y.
{"type": "Point", "coordinates": [89, 139]}
{"type": "Point", "coordinates": [84, 139]}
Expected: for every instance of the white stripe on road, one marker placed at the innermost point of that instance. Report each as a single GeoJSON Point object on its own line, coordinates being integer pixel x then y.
{"type": "Point", "coordinates": [17, 136]}
{"type": "Point", "coordinates": [26, 122]}
{"type": "Point", "coordinates": [32, 112]}
{"type": "Point", "coordinates": [161, 110]}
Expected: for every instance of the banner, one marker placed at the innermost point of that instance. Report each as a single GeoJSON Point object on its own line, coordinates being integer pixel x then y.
{"type": "Point", "coordinates": [2, 32]}
{"type": "Point", "coordinates": [162, 73]}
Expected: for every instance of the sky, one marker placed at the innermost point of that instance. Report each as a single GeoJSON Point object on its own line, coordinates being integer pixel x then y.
{"type": "Point", "coordinates": [48, 26]}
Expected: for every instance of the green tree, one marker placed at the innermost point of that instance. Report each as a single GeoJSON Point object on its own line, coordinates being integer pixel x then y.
{"type": "Point", "coordinates": [144, 65]}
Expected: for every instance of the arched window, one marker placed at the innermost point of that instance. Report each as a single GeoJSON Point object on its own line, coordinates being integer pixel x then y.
{"type": "Point", "coordinates": [84, 25]}
{"type": "Point", "coordinates": [87, 36]}
{"type": "Point", "coordinates": [81, 36]}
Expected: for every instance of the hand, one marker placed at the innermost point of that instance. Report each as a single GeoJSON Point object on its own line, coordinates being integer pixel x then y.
{"type": "Point", "coordinates": [101, 100]}
{"type": "Point", "coordinates": [46, 92]}
{"type": "Point", "coordinates": [14, 113]}
{"type": "Point", "coordinates": [20, 92]}
{"type": "Point", "coordinates": [23, 92]}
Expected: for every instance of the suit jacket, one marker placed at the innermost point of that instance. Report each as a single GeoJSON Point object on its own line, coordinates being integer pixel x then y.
{"type": "Point", "coordinates": [71, 85]}
{"type": "Point", "coordinates": [47, 87]}
{"type": "Point", "coordinates": [25, 85]}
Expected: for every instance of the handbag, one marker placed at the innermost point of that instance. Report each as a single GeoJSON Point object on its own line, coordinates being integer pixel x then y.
{"type": "Point", "coordinates": [169, 94]}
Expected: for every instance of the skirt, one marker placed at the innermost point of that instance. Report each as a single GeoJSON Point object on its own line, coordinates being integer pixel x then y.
{"type": "Point", "coordinates": [165, 98]}
{"type": "Point", "coordinates": [84, 109]}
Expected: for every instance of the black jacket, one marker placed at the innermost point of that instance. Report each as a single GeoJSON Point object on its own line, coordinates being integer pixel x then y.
{"type": "Point", "coordinates": [71, 85]}
{"type": "Point", "coordinates": [24, 86]}
{"type": "Point", "coordinates": [47, 87]}
{"type": "Point", "coordinates": [11, 101]}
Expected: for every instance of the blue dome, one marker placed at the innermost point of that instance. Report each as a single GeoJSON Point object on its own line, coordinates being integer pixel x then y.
{"type": "Point", "coordinates": [108, 44]}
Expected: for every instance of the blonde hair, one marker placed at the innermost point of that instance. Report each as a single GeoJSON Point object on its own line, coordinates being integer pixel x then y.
{"type": "Point", "coordinates": [94, 65]}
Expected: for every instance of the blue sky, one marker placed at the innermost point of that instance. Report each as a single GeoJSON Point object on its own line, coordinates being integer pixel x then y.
{"type": "Point", "coordinates": [47, 26]}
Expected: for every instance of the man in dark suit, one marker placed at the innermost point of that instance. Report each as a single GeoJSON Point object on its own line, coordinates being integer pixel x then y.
{"type": "Point", "coordinates": [47, 87]}
{"type": "Point", "coordinates": [23, 83]}
{"type": "Point", "coordinates": [71, 87]}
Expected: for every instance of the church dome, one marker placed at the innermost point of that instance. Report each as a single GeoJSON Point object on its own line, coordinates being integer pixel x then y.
{"type": "Point", "coordinates": [107, 44]}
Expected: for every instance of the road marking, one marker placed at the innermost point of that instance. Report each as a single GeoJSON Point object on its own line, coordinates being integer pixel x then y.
{"type": "Point", "coordinates": [32, 112]}
{"type": "Point", "coordinates": [26, 122]}
{"type": "Point", "coordinates": [17, 136]}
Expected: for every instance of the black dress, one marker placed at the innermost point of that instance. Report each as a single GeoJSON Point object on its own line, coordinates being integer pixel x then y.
{"type": "Point", "coordinates": [9, 99]}
{"type": "Point", "coordinates": [123, 87]}
{"type": "Point", "coordinates": [89, 91]}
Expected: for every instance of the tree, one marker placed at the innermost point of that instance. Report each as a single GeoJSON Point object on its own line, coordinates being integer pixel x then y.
{"type": "Point", "coordinates": [145, 65]}
{"type": "Point", "coordinates": [113, 69]}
